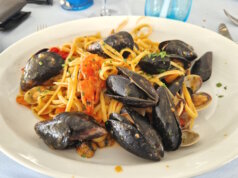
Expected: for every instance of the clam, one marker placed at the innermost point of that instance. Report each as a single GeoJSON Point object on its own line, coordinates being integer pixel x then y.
{"type": "Point", "coordinates": [201, 100]}
{"type": "Point", "coordinates": [189, 138]}
{"type": "Point", "coordinates": [193, 82]}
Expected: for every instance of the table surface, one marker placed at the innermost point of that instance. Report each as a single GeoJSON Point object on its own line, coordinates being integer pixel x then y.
{"type": "Point", "coordinates": [204, 13]}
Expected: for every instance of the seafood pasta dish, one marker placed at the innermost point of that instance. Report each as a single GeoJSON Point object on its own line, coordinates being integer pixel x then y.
{"type": "Point", "coordinates": [123, 87]}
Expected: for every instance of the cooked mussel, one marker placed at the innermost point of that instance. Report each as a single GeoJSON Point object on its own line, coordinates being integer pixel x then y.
{"type": "Point", "coordinates": [118, 41]}
{"type": "Point", "coordinates": [39, 68]}
{"type": "Point", "coordinates": [203, 66]}
{"type": "Point", "coordinates": [183, 62]}
{"type": "Point", "coordinates": [178, 47]}
{"type": "Point", "coordinates": [154, 63]}
{"type": "Point", "coordinates": [176, 85]}
{"type": "Point", "coordinates": [131, 88]}
{"type": "Point", "coordinates": [138, 137]}
{"type": "Point", "coordinates": [165, 120]}
{"type": "Point", "coordinates": [68, 128]}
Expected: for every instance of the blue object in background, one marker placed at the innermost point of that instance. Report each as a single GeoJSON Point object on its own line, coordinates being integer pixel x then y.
{"type": "Point", "coordinates": [173, 9]}
{"type": "Point", "coordinates": [76, 4]}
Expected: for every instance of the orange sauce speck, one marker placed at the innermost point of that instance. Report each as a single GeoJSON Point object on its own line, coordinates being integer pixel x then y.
{"type": "Point", "coordinates": [118, 169]}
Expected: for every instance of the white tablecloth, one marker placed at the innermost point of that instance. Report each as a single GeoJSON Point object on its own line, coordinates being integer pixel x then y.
{"type": "Point", "coordinates": [205, 13]}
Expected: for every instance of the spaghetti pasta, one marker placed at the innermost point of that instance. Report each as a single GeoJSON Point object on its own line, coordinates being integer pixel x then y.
{"type": "Point", "coordinates": [81, 85]}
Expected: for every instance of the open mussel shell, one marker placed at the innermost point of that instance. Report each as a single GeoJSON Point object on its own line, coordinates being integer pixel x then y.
{"type": "Point", "coordinates": [140, 82]}
{"type": "Point", "coordinates": [179, 103]}
{"type": "Point", "coordinates": [131, 88]}
{"type": "Point", "coordinates": [165, 120]}
{"type": "Point", "coordinates": [138, 137]}
{"type": "Point", "coordinates": [176, 85]}
{"type": "Point", "coordinates": [203, 66]}
{"type": "Point", "coordinates": [178, 47]}
{"type": "Point", "coordinates": [189, 138]}
{"type": "Point", "coordinates": [201, 100]}
{"type": "Point", "coordinates": [154, 63]}
{"type": "Point", "coordinates": [118, 41]}
{"type": "Point", "coordinates": [193, 82]}
{"type": "Point", "coordinates": [182, 61]}
{"type": "Point", "coordinates": [68, 128]}
{"type": "Point", "coordinates": [39, 68]}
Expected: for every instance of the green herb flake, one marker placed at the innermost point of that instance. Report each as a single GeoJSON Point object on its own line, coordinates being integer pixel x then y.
{"type": "Point", "coordinates": [225, 87]}
{"type": "Point", "coordinates": [124, 60]}
{"type": "Point", "coordinates": [83, 155]}
{"type": "Point", "coordinates": [40, 63]}
{"type": "Point", "coordinates": [220, 96]}
{"type": "Point", "coordinates": [110, 61]}
{"type": "Point", "coordinates": [219, 84]}
{"type": "Point", "coordinates": [63, 65]}
{"type": "Point", "coordinates": [161, 70]}
{"type": "Point", "coordinates": [162, 54]}
{"type": "Point", "coordinates": [83, 93]}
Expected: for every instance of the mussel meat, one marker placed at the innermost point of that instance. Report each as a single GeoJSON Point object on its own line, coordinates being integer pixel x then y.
{"type": "Point", "coordinates": [165, 120]}
{"type": "Point", "coordinates": [68, 128]}
{"type": "Point", "coordinates": [118, 41]}
{"type": "Point", "coordinates": [179, 48]}
{"type": "Point", "coordinates": [131, 88]}
{"type": "Point", "coordinates": [203, 66]}
{"type": "Point", "coordinates": [39, 68]}
{"type": "Point", "coordinates": [138, 137]}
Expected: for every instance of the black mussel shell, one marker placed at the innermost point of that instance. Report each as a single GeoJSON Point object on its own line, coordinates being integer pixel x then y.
{"type": "Point", "coordinates": [203, 66]}
{"type": "Point", "coordinates": [176, 85]}
{"type": "Point", "coordinates": [39, 68]}
{"type": "Point", "coordinates": [118, 41]}
{"type": "Point", "coordinates": [138, 138]}
{"type": "Point", "coordinates": [165, 121]}
{"type": "Point", "coordinates": [154, 64]}
{"type": "Point", "coordinates": [179, 48]}
{"type": "Point", "coordinates": [67, 129]}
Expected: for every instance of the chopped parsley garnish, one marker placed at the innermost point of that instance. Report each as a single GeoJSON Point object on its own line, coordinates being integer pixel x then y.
{"type": "Point", "coordinates": [162, 54]}
{"type": "Point", "coordinates": [220, 96]}
{"type": "Point", "coordinates": [40, 63]}
{"type": "Point", "coordinates": [63, 65]}
{"type": "Point", "coordinates": [219, 84]}
{"type": "Point", "coordinates": [124, 60]}
{"type": "Point", "coordinates": [225, 87]}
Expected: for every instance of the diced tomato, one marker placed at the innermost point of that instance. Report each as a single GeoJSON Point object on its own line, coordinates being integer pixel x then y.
{"type": "Point", "coordinates": [63, 54]}
{"type": "Point", "coordinates": [54, 49]}
{"type": "Point", "coordinates": [59, 110]}
{"type": "Point", "coordinates": [20, 100]}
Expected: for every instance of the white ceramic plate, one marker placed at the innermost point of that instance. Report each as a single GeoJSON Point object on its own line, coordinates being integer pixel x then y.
{"type": "Point", "coordinates": [217, 125]}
